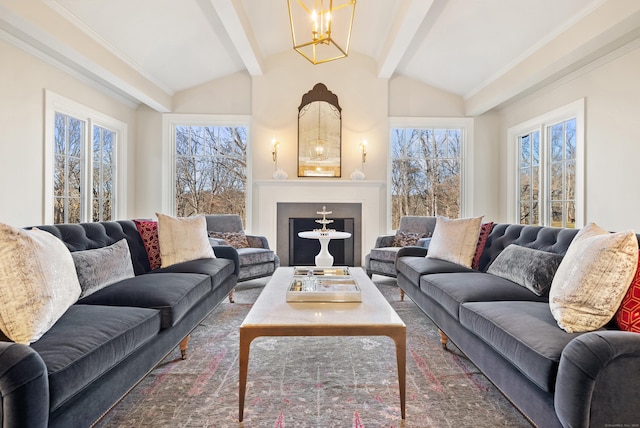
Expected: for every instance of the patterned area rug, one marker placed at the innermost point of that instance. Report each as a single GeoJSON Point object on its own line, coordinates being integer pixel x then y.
{"type": "Point", "coordinates": [314, 381]}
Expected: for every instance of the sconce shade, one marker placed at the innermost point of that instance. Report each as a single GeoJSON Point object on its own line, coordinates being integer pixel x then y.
{"type": "Point", "coordinates": [321, 29]}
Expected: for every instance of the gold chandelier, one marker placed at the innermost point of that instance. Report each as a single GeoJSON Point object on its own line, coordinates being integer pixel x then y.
{"type": "Point", "coordinates": [324, 28]}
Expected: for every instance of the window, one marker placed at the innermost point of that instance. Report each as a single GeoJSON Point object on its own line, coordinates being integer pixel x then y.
{"type": "Point", "coordinates": [549, 164]}
{"type": "Point", "coordinates": [103, 169]}
{"type": "Point", "coordinates": [210, 169]}
{"type": "Point", "coordinates": [427, 171]}
{"type": "Point", "coordinates": [67, 171]}
{"type": "Point", "coordinates": [81, 165]}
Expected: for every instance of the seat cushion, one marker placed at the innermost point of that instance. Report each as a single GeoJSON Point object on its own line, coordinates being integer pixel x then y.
{"type": "Point", "coordinates": [173, 294]}
{"type": "Point", "coordinates": [386, 254]}
{"type": "Point", "coordinates": [218, 269]}
{"type": "Point", "coordinates": [452, 289]}
{"type": "Point", "coordinates": [414, 267]}
{"type": "Point", "coordinates": [525, 333]}
{"type": "Point", "coordinates": [382, 268]}
{"type": "Point", "coordinates": [255, 256]}
{"type": "Point", "coordinates": [87, 341]}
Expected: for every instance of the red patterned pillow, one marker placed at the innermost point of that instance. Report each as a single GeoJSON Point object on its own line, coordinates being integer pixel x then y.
{"type": "Point", "coordinates": [148, 231]}
{"type": "Point", "coordinates": [485, 230]}
{"type": "Point", "coordinates": [628, 314]}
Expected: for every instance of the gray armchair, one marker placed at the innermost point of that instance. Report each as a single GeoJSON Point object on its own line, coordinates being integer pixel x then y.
{"type": "Point", "coordinates": [413, 230]}
{"type": "Point", "coordinates": [256, 258]}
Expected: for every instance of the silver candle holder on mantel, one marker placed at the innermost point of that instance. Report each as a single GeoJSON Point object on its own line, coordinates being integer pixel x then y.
{"type": "Point", "coordinates": [324, 221]}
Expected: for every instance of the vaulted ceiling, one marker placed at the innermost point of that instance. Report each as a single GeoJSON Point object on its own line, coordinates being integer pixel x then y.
{"type": "Point", "coordinates": [151, 49]}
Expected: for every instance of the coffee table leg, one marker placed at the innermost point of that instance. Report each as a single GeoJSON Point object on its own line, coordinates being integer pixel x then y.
{"type": "Point", "coordinates": [245, 344]}
{"type": "Point", "coordinates": [401, 356]}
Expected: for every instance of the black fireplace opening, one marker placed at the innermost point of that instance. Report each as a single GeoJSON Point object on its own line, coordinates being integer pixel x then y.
{"type": "Point", "coordinates": [302, 251]}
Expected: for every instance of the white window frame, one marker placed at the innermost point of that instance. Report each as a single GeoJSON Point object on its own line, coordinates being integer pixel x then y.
{"type": "Point", "coordinates": [55, 103]}
{"type": "Point", "coordinates": [466, 181]}
{"type": "Point", "coordinates": [574, 110]}
{"type": "Point", "coordinates": [169, 123]}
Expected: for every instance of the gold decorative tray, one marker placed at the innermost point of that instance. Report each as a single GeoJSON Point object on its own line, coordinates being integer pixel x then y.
{"type": "Point", "coordinates": [323, 288]}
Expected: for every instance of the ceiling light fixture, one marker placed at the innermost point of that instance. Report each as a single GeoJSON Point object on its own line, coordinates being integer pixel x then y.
{"type": "Point", "coordinates": [324, 29]}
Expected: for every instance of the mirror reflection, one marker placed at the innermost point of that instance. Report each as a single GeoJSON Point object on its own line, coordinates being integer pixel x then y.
{"type": "Point", "coordinates": [319, 134]}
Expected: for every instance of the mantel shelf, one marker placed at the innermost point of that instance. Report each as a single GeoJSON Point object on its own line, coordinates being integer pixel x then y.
{"type": "Point", "coordinates": [318, 182]}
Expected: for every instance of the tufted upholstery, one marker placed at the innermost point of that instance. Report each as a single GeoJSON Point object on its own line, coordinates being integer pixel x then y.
{"type": "Point", "coordinates": [88, 236]}
{"type": "Point", "coordinates": [104, 344]}
{"type": "Point", "coordinates": [555, 378]}
{"type": "Point", "coordinates": [550, 239]}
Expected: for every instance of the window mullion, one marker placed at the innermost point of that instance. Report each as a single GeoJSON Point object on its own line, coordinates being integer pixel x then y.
{"type": "Point", "coordinates": [545, 172]}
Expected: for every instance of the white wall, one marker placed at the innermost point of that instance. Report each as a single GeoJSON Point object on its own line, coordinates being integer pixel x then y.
{"type": "Point", "coordinates": [277, 94]}
{"type": "Point", "coordinates": [409, 98]}
{"type": "Point", "coordinates": [612, 137]}
{"type": "Point", "coordinates": [23, 80]}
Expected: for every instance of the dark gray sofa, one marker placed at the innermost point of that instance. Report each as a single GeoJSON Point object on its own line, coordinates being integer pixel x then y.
{"type": "Point", "coordinates": [108, 341]}
{"type": "Point", "coordinates": [555, 378]}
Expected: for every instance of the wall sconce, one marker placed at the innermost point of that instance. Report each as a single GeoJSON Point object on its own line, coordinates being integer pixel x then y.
{"type": "Point", "coordinates": [358, 174]}
{"type": "Point", "coordinates": [278, 173]}
{"type": "Point", "coordinates": [274, 150]}
{"type": "Point", "coordinates": [363, 147]}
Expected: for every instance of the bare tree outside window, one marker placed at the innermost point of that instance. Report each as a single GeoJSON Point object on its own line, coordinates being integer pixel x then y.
{"type": "Point", "coordinates": [103, 174]}
{"type": "Point", "coordinates": [68, 171]}
{"type": "Point", "coordinates": [426, 172]}
{"type": "Point", "coordinates": [530, 178]}
{"type": "Point", "coordinates": [558, 171]}
{"type": "Point", "coordinates": [211, 170]}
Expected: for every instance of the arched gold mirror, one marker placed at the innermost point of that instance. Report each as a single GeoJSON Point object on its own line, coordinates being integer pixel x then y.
{"type": "Point", "coordinates": [319, 134]}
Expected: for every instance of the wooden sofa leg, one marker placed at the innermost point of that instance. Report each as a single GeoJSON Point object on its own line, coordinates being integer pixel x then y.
{"type": "Point", "coordinates": [401, 295]}
{"type": "Point", "coordinates": [443, 339]}
{"type": "Point", "coordinates": [183, 347]}
{"type": "Point", "coordinates": [231, 296]}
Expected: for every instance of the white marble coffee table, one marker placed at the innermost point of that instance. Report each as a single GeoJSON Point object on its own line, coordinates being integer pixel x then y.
{"type": "Point", "coordinates": [272, 315]}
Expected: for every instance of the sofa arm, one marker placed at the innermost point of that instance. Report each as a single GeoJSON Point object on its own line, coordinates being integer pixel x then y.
{"type": "Point", "coordinates": [228, 252]}
{"type": "Point", "coordinates": [24, 387]}
{"type": "Point", "coordinates": [412, 251]}
{"type": "Point", "coordinates": [598, 378]}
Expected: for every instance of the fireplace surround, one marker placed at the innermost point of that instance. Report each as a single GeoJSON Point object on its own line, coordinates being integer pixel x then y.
{"type": "Point", "coordinates": [347, 250]}
{"type": "Point", "coordinates": [269, 221]}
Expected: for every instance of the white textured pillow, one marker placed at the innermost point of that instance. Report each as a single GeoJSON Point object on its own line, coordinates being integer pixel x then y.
{"type": "Point", "coordinates": [183, 239]}
{"type": "Point", "coordinates": [593, 278]}
{"type": "Point", "coordinates": [102, 267]}
{"type": "Point", "coordinates": [455, 240]}
{"type": "Point", "coordinates": [38, 282]}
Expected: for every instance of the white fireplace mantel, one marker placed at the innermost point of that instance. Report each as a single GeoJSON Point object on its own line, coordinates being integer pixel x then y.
{"type": "Point", "coordinates": [370, 194]}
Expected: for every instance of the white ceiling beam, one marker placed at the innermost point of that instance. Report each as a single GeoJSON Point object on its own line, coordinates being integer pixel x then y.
{"type": "Point", "coordinates": [125, 82]}
{"type": "Point", "coordinates": [402, 33]}
{"type": "Point", "coordinates": [236, 24]}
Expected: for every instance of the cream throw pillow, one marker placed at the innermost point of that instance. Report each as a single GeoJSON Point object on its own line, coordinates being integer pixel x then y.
{"type": "Point", "coordinates": [455, 240]}
{"type": "Point", "coordinates": [593, 278]}
{"type": "Point", "coordinates": [183, 239]}
{"type": "Point", "coordinates": [38, 282]}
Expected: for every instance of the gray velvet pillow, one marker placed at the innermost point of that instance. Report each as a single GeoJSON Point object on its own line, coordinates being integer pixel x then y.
{"type": "Point", "coordinates": [533, 269]}
{"type": "Point", "coordinates": [102, 267]}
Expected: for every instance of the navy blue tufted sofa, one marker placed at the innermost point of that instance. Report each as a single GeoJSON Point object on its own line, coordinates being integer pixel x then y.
{"type": "Point", "coordinates": [554, 378]}
{"type": "Point", "coordinates": [108, 341]}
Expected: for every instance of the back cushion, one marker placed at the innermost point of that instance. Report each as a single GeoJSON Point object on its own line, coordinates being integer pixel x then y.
{"type": "Point", "coordinates": [549, 239]}
{"type": "Point", "coordinates": [89, 236]}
